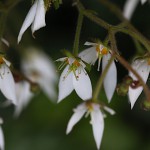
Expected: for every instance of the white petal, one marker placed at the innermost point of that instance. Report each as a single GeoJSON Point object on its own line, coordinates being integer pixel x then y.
{"type": "Point", "coordinates": [129, 8]}
{"type": "Point", "coordinates": [1, 139]}
{"type": "Point", "coordinates": [48, 89]}
{"type": "Point", "coordinates": [78, 114]}
{"type": "Point", "coordinates": [97, 122]}
{"type": "Point", "coordinates": [24, 96]}
{"type": "Point", "coordinates": [28, 20]}
{"type": "Point", "coordinates": [90, 44]}
{"type": "Point", "coordinates": [143, 70]}
{"type": "Point", "coordinates": [7, 62]}
{"type": "Point", "coordinates": [109, 110]}
{"type": "Point", "coordinates": [143, 1]}
{"type": "Point", "coordinates": [82, 85]}
{"type": "Point", "coordinates": [65, 84]}
{"type": "Point", "coordinates": [89, 55]}
{"type": "Point", "coordinates": [110, 80]}
{"type": "Point", "coordinates": [39, 20]}
{"type": "Point", "coordinates": [7, 83]}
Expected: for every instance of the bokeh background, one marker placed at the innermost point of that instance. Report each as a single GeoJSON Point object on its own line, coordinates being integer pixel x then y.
{"type": "Point", "coordinates": [42, 125]}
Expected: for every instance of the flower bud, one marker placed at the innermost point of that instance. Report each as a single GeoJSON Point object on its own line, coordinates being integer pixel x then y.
{"type": "Point", "coordinates": [122, 89]}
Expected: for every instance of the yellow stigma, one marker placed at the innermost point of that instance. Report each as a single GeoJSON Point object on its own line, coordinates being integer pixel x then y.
{"type": "Point", "coordinates": [1, 60]}
{"type": "Point", "coordinates": [104, 51]}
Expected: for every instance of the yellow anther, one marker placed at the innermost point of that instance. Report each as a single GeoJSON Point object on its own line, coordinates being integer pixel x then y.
{"type": "Point", "coordinates": [104, 51]}
{"type": "Point", "coordinates": [1, 60]}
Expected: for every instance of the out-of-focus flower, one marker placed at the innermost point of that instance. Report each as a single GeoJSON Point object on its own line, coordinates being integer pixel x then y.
{"type": "Point", "coordinates": [35, 16]}
{"type": "Point", "coordinates": [24, 96]}
{"type": "Point", "coordinates": [39, 68]}
{"type": "Point", "coordinates": [97, 119]}
{"type": "Point", "coordinates": [100, 52]}
{"type": "Point", "coordinates": [130, 6]}
{"type": "Point", "coordinates": [74, 76]}
{"type": "Point", "coordinates": [143, 68]}
{"type": "Point", "coordinates": [2, 145]}
{"type": "Point", "coordinates": [7, 83]}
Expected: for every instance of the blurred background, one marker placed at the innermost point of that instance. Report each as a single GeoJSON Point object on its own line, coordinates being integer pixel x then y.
{"type": "Point", "coordinates": [42, 125]}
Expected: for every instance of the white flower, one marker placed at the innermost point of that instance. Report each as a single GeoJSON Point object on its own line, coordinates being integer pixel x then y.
{"type": "Point", "coordinates": [1, 136]}
{"type": "Point", "coordinates": [39, 68]}
{"type": "Point", "coordinates": [97, 120]}
{"type": "Point", "coordinates": [130, 6]}
{"type": "Point", "coordinates": [143, 68]}
{"type": "Point", "coordinates": [7, 83]}
{"type": "Point", "coordinates": [74, 76]}
{"type": "Point", "coordinates": [35, 16]}
{"type": "Point", "coordinates": [24, 96]}
{"type": "Point", "coordinates": [98, 51]}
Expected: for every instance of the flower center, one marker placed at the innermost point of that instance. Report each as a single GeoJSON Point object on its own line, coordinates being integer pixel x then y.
{"type": "Point", "coordinates": [101, 51]}
{"type": "Point", "coordinates": [1, 60]}
{"type": "Point", "coordinates": [148, 61]}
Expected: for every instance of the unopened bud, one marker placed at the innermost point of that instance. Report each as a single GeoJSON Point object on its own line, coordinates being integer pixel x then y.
{"type": "Point", "coordinates": [146, 105]}
{"type": "Point", "coordinates": [127, 80]}
{"type": "Point", "coordinates": [122, 89]}
{"type": "Point", "coordinates": [135, 84]}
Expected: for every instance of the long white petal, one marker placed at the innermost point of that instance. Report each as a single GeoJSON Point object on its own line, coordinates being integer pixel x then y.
{"type": "Point", "coordinates": [143, 70]}
{"type": "Point", "coordinates": [109, 110]}
{"type": "Point", "coordinates": [65, 84]}
{"type": "Point", "coordinates": [7, 83]}
{"type": "Point", "coordinates": [28, 20]}
{"type": "Point", "coordinates": [129, 8]}
{"type": "Point", "coordinates": [143, 1]}
{"type": "Point", "coordinates": [82, 85]}
{"type": "Point", "coordinates": [24, 96]}
{"type": "Point", "coordinates": [78, 114]}
{"type": "Point", "coordinates": [39, 20]}
{"type": "Point", "coordinates": [89, 55]}
{"type": "Point", "coordinates": [1, 139]}
{"type": "Point", "coordinates": [97, 122]}
{"type": "Point", "coordinates": [110, 80]}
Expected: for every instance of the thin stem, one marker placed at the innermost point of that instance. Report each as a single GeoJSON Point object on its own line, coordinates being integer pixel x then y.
{"type": "Point", "coordinates": [2, 26]}
{"type": "Point", "coordinates": [101, 79]}
{"type": "Point", "coordinates": [77, 34]}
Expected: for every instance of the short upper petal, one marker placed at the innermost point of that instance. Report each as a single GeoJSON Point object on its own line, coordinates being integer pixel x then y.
{"type": "Point", "coordinates": [65, 84]}
{"type": "Point", "coordinates": [110, 80]}
{"type": "Point", "coordinates": [7, 83]}
{"type": "Point", "coordinates": [143, 70]}
{"type": "Point", "coordinates": [97, 122]}
{"type": "Point", "coordinates": [143, 1]}
{"type": "Point", "coordinates": [89, 55]}
{"type": "Point", "coordinates": [28, 20]}
{"type": "Point", "coordinates": [129, 8]}
{"type": "Point", "coordinates": [78, 114]}
{"type": "Point", "coordinates": [82, 84]}
{"type": "Point", "coordinates": [39, 20]}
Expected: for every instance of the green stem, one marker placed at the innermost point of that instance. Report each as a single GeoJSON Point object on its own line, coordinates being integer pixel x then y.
{"type": "Point", "coordinates": [77, 34]}
{"type": "Point", "coordinates": [2, 26]}
{"type": "Point", "coordinates": [101, 79]}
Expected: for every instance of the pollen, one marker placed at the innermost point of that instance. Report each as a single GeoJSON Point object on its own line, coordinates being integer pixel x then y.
{"type": "Point", "coordinates": [76, 63]}
{"type": "Point", "coordinates": [104, 51]}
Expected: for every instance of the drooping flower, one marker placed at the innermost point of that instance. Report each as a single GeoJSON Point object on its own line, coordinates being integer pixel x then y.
{"type": "Point", "coordinates": [24, 96]}
{"type": "Point", "coordinates": [97, 119]}
{"type": "Point", "coordinates": [74, 76]}
{"type": "Point", "coordinates": [7, 83]}
{"type": "Point", "coordinates": [39, 68]}
{"type": "Point", "coordinates": [143, 69]}
{"type": "Point", "coordinates": [130, 6]}
{"type": "Point", "coordinates": [35, 16]}
{"type": "Point", "coordinates": [100, 52]}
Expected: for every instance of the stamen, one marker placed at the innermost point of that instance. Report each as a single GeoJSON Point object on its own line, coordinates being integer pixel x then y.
{"type": "Point", "coordinates": [104, 51]}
